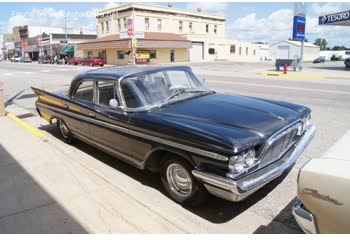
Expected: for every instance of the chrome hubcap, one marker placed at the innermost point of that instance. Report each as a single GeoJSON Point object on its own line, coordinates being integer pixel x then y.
{"type": "Point", "coordinates": [63, 129]}
{"type": "Point", "coordinates": [179, 180]}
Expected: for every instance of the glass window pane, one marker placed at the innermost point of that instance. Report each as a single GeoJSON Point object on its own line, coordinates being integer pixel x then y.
{"type": "Point", "coordinates": [85, 91]}
{"type": "Point", "coordinates": [106, 92]}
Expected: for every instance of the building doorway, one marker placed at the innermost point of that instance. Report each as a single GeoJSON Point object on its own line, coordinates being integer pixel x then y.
{"type": "Point", "coordinates": [104, 55]}
{"type": "Point", "coordinates": [172, 55]}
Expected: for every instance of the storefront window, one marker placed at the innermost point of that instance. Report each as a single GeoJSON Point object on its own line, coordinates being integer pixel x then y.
{"type": "Point", "coordinates": [152, 54]}
{"type": "Point", "coordinates": [180, 26]}
{"type": "Point", "coordinates": [119, 24]}
{"type": "Point", "coordinates": [107, 27]}
{"type": "Point", "coordinates": [125, 23]}
{"type": "Point", "coordinates": [146, 24]}
{"type": "Point", "coordinates": [190, 26]}
{"type": "Point", "coordinates": [121, 54]}
{"type": "Point", "coordinates": [102, 28]}
{"type": "Point", "coordinates": [215, 29]}
{"type": "Point", "coordinates": [207, 28]}
{"type": "Point", "coordinates": [246, 51]}
{"type": "Point", "coordinates": [159, 25]}
{"type": "Point", "coordinates": [233, 49]}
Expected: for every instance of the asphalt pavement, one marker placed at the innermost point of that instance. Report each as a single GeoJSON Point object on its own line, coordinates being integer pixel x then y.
{"type": "Point", "coordinates": [267, 211]}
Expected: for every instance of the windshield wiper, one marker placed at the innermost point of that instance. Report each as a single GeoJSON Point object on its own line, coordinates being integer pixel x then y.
{"type": "Point", "coordinates": [166, 101]}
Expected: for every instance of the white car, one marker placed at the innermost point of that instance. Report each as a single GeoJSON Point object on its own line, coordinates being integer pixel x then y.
{"type": "Point", "coordinates": [16, 59]}
{"type": "Point", "coordinates": [323, 192]}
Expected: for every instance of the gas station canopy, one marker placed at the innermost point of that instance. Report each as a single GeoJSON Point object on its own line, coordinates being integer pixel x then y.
{"type": "Point", "coordinates": [338, 19]}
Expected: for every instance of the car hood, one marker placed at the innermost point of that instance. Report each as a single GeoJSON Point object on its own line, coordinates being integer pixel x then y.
{"type": "Point", "coordinates": [229, 120]}
{"type": "Point", "coordinates": [234, 111]}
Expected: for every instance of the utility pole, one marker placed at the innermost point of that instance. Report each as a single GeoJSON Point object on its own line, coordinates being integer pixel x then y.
{"type": "Point", "coordinates": [133, 35]}
{"type": "Point", "coordinates": [301, 64]}
{"type": "Point", "coordinates": [65, 27]}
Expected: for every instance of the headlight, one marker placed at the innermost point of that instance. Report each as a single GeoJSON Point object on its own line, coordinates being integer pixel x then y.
{"type": "Point", "coordinates": [305, 122]}
{"type": "Point", "coordinates": [244, 160]}
{"type": "Point", "coordinates": [249, 158]}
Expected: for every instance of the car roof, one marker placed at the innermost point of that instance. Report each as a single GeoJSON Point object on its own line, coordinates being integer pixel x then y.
{"type": "Point", "coordinates": [119, 72]}
{"type": "Point", "coordinates": [115, 73]}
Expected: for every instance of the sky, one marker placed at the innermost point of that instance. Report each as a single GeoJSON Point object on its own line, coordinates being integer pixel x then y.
{"type": "Point", "coordinates": [269, 22]}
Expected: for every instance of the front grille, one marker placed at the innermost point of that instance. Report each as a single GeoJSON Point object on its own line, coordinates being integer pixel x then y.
{"type": "Point", "coordinates": [278, 145]}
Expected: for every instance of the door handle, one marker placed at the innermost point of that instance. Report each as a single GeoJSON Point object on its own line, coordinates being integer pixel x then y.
{"type": "Point", "coordinates": [91, 114]}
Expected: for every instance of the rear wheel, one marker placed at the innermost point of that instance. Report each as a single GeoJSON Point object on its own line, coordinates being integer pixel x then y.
{"type": "Point", "coordinates": [101, 65]}
{"type": "Point", "coordinates": [65, 132]}
{"type": "Point", "coordinates": [180, 184]}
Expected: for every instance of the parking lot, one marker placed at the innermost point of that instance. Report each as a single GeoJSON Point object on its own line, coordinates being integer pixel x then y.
{"type": "Point", "coordinates": [78, 189]}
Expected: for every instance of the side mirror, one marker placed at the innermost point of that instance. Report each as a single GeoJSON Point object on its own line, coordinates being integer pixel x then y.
{"type": "Point", "coordinates": [113, 103]}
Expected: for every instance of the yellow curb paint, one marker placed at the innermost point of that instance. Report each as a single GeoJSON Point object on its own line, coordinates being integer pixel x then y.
{"type": "Point", "coordinates": [33, 130]}
{"type": "Point", "coordinates": [281, 87]}
{"type": "Point", "coordinates": [296, 75]}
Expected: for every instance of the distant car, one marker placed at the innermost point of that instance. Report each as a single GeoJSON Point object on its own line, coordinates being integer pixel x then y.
{"type": "Point", "coordinates": [347, 62]}
{"type": "Point", "coordinates": [75, 61]}
{"type": "Point", "coordinates": [25, 60]}
{"type": "Point", "coordinates": [92, 61]}
{"type": "Point", "coordinates": [44, 59]}
{"type": "Point", "coordinates": [15, 59]}
{"type": "Point", "coordinates": [319, 60]}
{"type": "Point", "coordinates": [323, 196]}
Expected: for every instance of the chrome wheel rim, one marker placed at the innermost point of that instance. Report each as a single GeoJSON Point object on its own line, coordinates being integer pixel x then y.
{"type": "Point", "coordinates": [63, 129]}
{"type": "Point", "coordinates": [179, 180]}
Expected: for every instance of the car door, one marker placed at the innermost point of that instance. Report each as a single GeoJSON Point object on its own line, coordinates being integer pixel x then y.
{"type": "Point", "coordinates": [111, 128]}
{"type": "Point", "coordinates": [81, 108]}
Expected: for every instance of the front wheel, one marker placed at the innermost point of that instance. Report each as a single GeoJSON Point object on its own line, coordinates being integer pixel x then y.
{"type": "Point", "coordinates": [65, 132]}
{"type": "Point", "coordinates": [180, 184]}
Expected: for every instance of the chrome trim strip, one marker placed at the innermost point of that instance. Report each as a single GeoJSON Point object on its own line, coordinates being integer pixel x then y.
{"type": "Point", "coordinates": [141, 135]}
{"type": "Point", "coordinates": [237, 190]}
{"type": "Point", "coordinates": [305, 219]}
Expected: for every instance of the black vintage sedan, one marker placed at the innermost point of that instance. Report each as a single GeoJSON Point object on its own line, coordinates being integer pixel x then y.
{"type": "Point", "coordinates": [166, 120]}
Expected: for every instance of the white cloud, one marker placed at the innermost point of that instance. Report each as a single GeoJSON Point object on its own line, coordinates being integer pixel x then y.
{"type": "Point", "coordinates": [53, 18]}
{"type": "Point", "coordinates": [278, 27]}
{"type": "Point", "coordinates": [272, 28]}
{"type": "Point", "coordinates": [319, 9]}
{"type": "Point", "coordinates": [112, 4]}
{"type": "Point", "coordinates": [210, 7]}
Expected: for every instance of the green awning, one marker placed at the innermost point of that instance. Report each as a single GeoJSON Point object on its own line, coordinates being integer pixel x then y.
{"type": "Point", "coordinates": [67, 49]}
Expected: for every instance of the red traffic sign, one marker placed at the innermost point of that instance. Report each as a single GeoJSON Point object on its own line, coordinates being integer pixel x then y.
{"type": "Point", "coordinates": [24, 46]}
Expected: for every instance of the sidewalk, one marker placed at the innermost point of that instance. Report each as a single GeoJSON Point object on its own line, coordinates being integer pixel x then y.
{"type": "Point", "coordinates": [43, 190]}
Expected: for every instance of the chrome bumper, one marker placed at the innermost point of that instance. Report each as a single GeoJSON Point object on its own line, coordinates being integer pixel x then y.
{"type": "Point", "coordinates": [305, 220]}
{"type": "Point", "coordinates": [237, 190]}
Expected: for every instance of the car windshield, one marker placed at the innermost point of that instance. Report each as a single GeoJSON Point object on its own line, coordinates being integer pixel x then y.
{"type": "Point", "coordinates": [160, 88]}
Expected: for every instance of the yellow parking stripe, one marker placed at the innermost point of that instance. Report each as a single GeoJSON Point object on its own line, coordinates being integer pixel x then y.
{"type": "Point", "coordinates": [280, 87]}
{"type": "Point", "coordinates": [33, 130]}
{"type": "Point", "coordinates": [295, 75]}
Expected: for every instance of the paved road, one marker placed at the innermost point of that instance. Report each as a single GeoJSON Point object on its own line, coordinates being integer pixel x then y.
{"type": "Point", "coordinates": [268, 211]}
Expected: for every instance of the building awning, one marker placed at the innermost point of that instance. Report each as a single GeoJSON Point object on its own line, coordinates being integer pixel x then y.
{"type": "Point", "coordinates": [32, 48]}
{"type": "Point", "coordinates": [151, 40]}
{"type": "Point", "coordinates": [67, 49]}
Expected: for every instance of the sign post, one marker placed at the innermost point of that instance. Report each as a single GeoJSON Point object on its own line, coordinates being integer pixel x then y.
{"type": "Point", "coordinates": [299, 22]}
{"type": "Point", "coordinates": [133, 36]}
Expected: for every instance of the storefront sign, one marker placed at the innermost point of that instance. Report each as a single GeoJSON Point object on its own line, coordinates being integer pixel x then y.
{"type": "Point", "coordinates": [24, 46]}
{"type": "Point", "coordinates": [63, 41]}
{"type": "Point", "coordinates": [299, 27]}
{"type": "Point", "coordinates": [144, 54]}
{"type": "Point", "coordinates": [332, 18]}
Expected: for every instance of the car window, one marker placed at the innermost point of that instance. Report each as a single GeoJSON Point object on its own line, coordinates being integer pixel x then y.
{"type": "Point", "coordinates": [85, 91]}
{"type": "Point", "coordinates": [106, 92]}
{"type": "Point", "coordinates": [150, 90]}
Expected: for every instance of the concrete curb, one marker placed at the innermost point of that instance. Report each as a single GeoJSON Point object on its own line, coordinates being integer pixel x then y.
{"type": "Point", "coordinates": [295, 75]}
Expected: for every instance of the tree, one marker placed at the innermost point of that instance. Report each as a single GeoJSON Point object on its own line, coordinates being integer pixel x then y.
{"type": "Point", "coordinates": [322, 43]}
{"type": "Point", "coordinates": [339, 48]}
